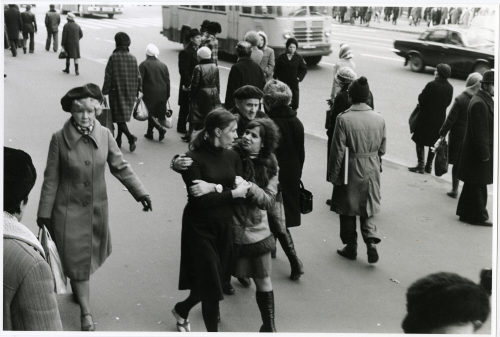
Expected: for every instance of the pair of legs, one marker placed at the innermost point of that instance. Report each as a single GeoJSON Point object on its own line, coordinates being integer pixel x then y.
{"type": "Point", "coordinates": [423, 166]}
{"type": "Point", "coordinates": [31, 36]}
{"type": "Point", "coordinates": [349, 236]}
{"type": "Point", "coordinates": [123, 129]}
{"type": "Point", "coordinates": [81, 290]}
{"type": "Point", "coordinates": [471, 206]}
{"type": "Point", "coordinates": [295, 98]}
{"type": "Point", "coordinates": [52, 36]}
{"type": "Point", "coordinates": [182, 120]}
{"type": "Point", "coordinates": [209, 310]}
{"type": "Point", "coordinates": [75, 61]}
{"type": "Point", "coordinates": [13, 46]}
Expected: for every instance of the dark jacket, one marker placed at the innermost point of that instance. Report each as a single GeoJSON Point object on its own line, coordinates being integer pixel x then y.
{"type": "Point", "coordinates": [155, 85]}
{"type": "Point", "coordinates": [205, 88]}
{"type": "Point", "coordinates": [456, 123]}
{"type": "Point", "coordinates": [29, 22]}
{"type": "Point", "coordinates": [187, 62]}
{"type": "Point", "coordinates": [433, 101]}
{"type": "Point", "coordinates": [71, 35]}
{"type": "Point", "coordinates": [13, 22]}
{"type": "Point", "coordinates": [290, 71]}
{"type": "Point", "coordinates": [52, 21]}
{"type": "Point", "coordinates": [476, 160]}
{"type": "Point", "coordinates": [243, 72]}
{"type": "Point", "coordinates": [122, 81]}
{"type": "Point", "coordinates": [291, 155]}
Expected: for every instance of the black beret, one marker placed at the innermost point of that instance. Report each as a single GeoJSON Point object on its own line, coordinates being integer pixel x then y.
{"type": "Point", "coordinates": [19, 175]}
{"type": "Point", "coordinates": [88, 90]}
{"type": "Point", "coordinates": [122, 39]}
{"type": "Point", "coordinates": [248, 91]}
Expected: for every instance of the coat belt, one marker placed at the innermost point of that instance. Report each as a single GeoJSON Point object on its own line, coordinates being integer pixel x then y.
{"type": "Point", "coordinates": [363, 155]}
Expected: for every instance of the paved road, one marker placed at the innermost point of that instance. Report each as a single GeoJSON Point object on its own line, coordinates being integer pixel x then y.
{"type": "Point", "coordinates": [137, 287]}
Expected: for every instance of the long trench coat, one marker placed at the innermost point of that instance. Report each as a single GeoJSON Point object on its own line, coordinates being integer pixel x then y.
{"type": "Point", "coordinates": [71, 35]}
{"type": "Point", "coordinates": [74, 196]}
{"type": "Point", "coordinates": [362, 130]}
{"type": "Point", "coordinates": [187, 61]}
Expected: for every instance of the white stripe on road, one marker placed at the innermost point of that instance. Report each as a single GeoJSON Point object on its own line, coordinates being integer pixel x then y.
{"type": "Point", "coordinates": [383, 57]}
{"type": "Point", "coordinates": [369, 45]}
{"type": "Point", "coordinates": [363, 37]}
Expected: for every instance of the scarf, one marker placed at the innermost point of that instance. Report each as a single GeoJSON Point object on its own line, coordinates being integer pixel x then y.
{"type": "Point", "coordinates": [84, 130]}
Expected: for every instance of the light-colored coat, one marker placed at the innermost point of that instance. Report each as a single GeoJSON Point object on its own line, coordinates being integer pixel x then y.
{"type": "Point", "coordinates": [362, 130]}
{"type": "Point", "coordinates": [74, 195]}
{"type": "Point", "coordinates": [267, 62]}
{"type": "Point", "coordinates": [336, 87]}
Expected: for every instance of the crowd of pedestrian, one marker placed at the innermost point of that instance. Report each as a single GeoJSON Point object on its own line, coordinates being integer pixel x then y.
{"type": "Point", "coordinates": [242, 171]}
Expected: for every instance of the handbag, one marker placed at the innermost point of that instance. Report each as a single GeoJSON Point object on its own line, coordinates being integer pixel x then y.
{"type": "Point", "coordinates": [53, 260]}
{"type": "Point", "coordinates": [63, 54]}
{"type": "Point", "coordinates": [441, 159]}
{"type": "Point", "coordinates": [412, 121]}
{"type": "Point", "coordinates": [169, 123]}
{"type": "Point", "coordinates": [276, 215]}
{"type": "Point", "coordinates": [140, 111]}
{"type": "Point", "coordinates": [306, 200]}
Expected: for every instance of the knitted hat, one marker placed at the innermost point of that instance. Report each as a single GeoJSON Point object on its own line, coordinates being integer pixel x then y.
{"type": "Point", "coordinates": [70, 17]}
{"type": "Point", "coordinates": [19, 176]}
{"type": "Point", "coordinates": [152, 50]}
{"type": "Point", "coordinates": [359, 91]}
{"type": "Point", "coordinates": [290, 41]}
{"type": "Point", "coordinates": [204, 53]}
{"type": "Point", "coordinates": [488, 77]}
{"type": "Point", "coordinates": [247, 92]}
{"type": "Point", "coordinates": [122, 39]}
{"type": "Point", "coordinates": [443, 70]}
{"type": "Point", "coordinates": [474, 79]}
{"type": "Point", "coordinates": [88, 90]}
{"type": "Point", "coordinates": [345, 51]}
{"type": "Point", "coordinates": [346, 75]}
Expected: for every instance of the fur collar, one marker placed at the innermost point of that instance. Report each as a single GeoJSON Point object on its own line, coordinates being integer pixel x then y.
{"type": "Point", "coordinates": [13, 229]}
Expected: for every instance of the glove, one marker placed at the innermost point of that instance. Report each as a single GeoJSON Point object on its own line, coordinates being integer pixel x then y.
{"type": "Point", "coordinates": [43, 222]}
{"type": "Point", "coordinates": [146, 203]}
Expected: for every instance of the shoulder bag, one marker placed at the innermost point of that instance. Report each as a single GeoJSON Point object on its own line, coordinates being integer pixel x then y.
{"type": "Point", "coordinates": [412, 121]}
{"type": "Point", "coordinates": [306, 200]}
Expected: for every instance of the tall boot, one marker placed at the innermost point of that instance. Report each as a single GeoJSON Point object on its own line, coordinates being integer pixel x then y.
{"type": "Point", "coordinates": [454, 187]}
{"type": "Point", "coordinates": [428, 164]}
{"type": "Point", "coordinates": [76, 69]}
{"type": "Point", "coordinates": [265, 301]}
{"type": "Point", "coordinates": [286, 242]}
{"type": "Point", "coordinates": [420, 157]}
{"type": "Point", "coordinates": [66, 70]}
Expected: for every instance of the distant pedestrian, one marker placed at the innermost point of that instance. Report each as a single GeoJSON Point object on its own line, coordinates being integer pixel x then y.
{"type": "Point", "coordinates": [456, 124]}
{"type": "Point", "coordinates": [432, 101]}
{"type": "Point", "coordinates": [444, 16]}
{"type": "Point", "coordinates": [268, 59]}
{"type": "Point", "coordinates": [209, 39]}
{"type": "Point", "coordinates": [291, 69]}
{"type": "Point", "coordinates": [455, 15]}
{"type": "Point", "coordinates": [156, 90]}
{"type": "Point", "coordinates": [205, 88]}
{"type": "Point", "coordinates": [52, 21]}
{"type": "Point", "coordinates": [243, 72]}
{"type": "Point", "coordinates": [73, 201]}
{"type": "Point", "coordinates": [70, 42]}
{"type": "Point", "coordinates": [187, 61]}
{"type": "Point", "coordinates": [395, 15]}
{"type": "Point", "coordinates": [122, 82]}
{"type": "Point", "coordinates": [253, 38]}
{"type": "Point", "coordinates": [416, 16]}
{"type": "Point", "coordinates": [476, 161]}
{"type": "Point", "coordinates": [29, 28]}
{"type": "Point", "coordinates": [14, 24]}
{"type": "Point", "coordinates": [345, 60]}
{"type": "Point", "coordinates": [360, 131]}
{"type": "Point", "coordinates": [29, 301]}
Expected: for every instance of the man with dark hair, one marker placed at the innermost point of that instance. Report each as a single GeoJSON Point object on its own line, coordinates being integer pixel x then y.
{"type": "Point", "coordinates": [247, 106]}
{"type": "Point", "coordinates": [13, 25]}
{"type": "Point", "coordinates": [243, 72]}
{"type": "Point", "coordinates": [29, 302]}
{"type": "Point", "coordinates": [29, 28]}
{"type": "Point", "coordinates": [52, 21]}
{"type": "Point", "coordinates": [445, 303]}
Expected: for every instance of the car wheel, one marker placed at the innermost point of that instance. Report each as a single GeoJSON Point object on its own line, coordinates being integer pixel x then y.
{"type": "Point", "coordinates": [110, 16]}
{"type": "Point", "coordinates": [312, 60]}
{"type": "Point", "coordinates": [481, 68]}
{"type": "Point", "coordinates": [416, 63]}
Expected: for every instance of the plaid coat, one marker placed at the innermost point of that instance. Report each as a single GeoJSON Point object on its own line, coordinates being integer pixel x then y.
{"type": "Point", "coordinates": [122, 82]}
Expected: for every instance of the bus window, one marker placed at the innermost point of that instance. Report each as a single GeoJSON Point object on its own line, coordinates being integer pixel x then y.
{"type": "Point", "coordinates": [193, 6]}
{"type": "Point", "coordinates": [259, 9]}
{"type": "Point", "coordinates": [292, 10]}
{"type": "Point", "coordinates": [220, 8]}
{"type": "Point", "coordinates": [320, 10]}
{"type": "Point", "coordinates": [246, 9]}
{"type": "Point", "coordinates": [207, 7]}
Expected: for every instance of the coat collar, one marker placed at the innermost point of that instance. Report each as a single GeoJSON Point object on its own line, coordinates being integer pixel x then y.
{"type": "Point", "coordinates": [72, 136]}
{"type": "Point", "coordinates": [360, 107]}
{"type": "Point", "coordinates": [486, 97]}
{"type": "Point", "coordinates": [13, 229]}
{"type": "Point", "coordinates": [282, 111]}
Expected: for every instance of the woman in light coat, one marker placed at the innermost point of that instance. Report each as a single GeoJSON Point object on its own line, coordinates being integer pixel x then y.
{"type": "Point", "coordinates": [267, 62]}
{"type": "Point", "coordinates": [345, 60]}
{"type": "Point", "coordinates": [73, 202]}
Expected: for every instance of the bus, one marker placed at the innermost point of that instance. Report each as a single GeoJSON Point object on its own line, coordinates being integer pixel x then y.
{"type": "Point", "coordinates": [83, 10]}
{"type": "Point", "coordinates": [310, 25]}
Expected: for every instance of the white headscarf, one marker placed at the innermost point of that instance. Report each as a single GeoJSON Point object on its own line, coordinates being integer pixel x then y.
{"type": "Point", "coordinates": [152, 50]}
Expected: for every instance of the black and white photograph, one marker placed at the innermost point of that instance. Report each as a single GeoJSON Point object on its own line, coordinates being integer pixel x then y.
{"type": "Point", "coordinates": [250, 168]}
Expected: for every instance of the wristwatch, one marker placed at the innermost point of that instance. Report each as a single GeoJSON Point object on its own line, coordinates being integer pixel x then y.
{"type": "Point", "coordinates": [218, 188]}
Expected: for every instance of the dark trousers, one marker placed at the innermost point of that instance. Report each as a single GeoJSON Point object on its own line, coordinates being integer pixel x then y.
{"type": "Point", "coordinates": [295, 98]}
{"type": "Point", "coordinates": [472, 203]}
{"type": "Point", "coordinates": [52, 35]}
{"type": "Point", "coordinates": [348, 233]}
{"type": "Point", "coordinates": [31, 36]}
{"type": "Point", "coordinates": [13, 46]}
{"type": "Point", "coordinates": [182, 120]}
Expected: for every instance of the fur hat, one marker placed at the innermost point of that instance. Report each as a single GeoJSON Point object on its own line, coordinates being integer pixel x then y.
{"type": "Point", "coordinates": [88, 90]}
{"type": "Point", "coordinates": [213, 28]}
{"type": "Point", "coordinates": [345, 51]}
{"type": "Point", "coordinates": [204, 53]}
{"type": "Point", "coordinates": [290, 41]}
{"type": "Point", "coordinates": [443, 70]}
{"type": "Point", "coordinates": [19, 176]}
{"type": "Point", "coordinates": [122, 39]}
{"type": "Point", "coordinates": [277, 93]}
{"type": "Point", "coordinates": [152, 50]}
{"type": "Point", "coordinates": [359, 91]}
{"type": "Point", "coordinates": [346, 75]}
{"type": "Point", "coordinates": [252, 37]}
{"type": "Point", "coordinates": [247, 92]}
{"type": "Point", "coordinates": [488, 77]}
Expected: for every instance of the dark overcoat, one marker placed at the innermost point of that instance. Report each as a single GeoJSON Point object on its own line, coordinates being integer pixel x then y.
{"type": "Point", "coordinates": [476, 161]}
{"type": "Point", "coordinates": [290, 71]}
{"type": "Point", "coordinates": [29, 22]}
{"type": "Point", "coordinates": [74, 195]}
{"type": "Point", "coordinates": [13, 22]}
{"type": "Point", "coordinates": [155, 85]}
{"type": "Point", "coordinates": [71, 35]}
{"type": "Point", "coordinates": [433, 101]}
{"type": "Point", "coordinates": [52, 21]}
{"type": "Point", "coordinates": [205, 88]}
{"type": "Point", "coordinates": [243, 72]}
{"type": "Point", "coordinates": [291, 155]}
{"type": "Point", "coordinates": [456, 123]}
{"type": "Point", "coordinates": [187, 61]}
{"type": "Point", "coordinates": [122, 82]}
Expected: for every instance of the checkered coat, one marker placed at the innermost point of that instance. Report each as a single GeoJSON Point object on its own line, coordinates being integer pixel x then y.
{"type": "Point", "coordinates": [122, 82]}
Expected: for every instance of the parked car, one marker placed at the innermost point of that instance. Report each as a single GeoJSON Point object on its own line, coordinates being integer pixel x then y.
{"type": "Point", "coordinates": [466, 50]}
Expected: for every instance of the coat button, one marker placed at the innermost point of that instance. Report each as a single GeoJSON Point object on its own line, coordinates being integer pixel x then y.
{"type": "Point", "coordinates": [87, 162]}
{"type": "Point", "coordinates": [86, 184]}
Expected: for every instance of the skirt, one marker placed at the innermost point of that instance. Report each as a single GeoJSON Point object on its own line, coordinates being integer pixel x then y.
{"type": "Point", "coordinates": [254, 267]}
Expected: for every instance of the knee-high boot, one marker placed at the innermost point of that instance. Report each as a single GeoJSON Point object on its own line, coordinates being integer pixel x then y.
{"type": "Point", "coordinates": [66, 70]}
{"type": "Point", "coordinates": [420, 158]}
{"type": "Point", "coordinates": [286, 242]}
{"type": "Point", "coordinates": [428, 164]}
{"type": "Point", "coordinates": [265, 301]}
{"type": "Point", "coordinates": [76, 69]}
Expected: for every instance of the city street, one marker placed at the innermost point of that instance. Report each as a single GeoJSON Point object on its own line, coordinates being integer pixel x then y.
{"type": "Point", "coordinates": [136, 288]}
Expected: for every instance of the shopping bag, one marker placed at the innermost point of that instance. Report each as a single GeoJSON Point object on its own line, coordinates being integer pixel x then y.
{"type": "Point", "coordinates": [53, 260]}
{"type": "Point", "coordinates": [306, 200]}
{"type": "Point", "coordinates": [105, 118]}
{"type": "Point", "coordinates": [140, 112]}
{"type": "Point", "coordinates": [441, 158]}
{"type": "Point", "coordinates": [169, 123]}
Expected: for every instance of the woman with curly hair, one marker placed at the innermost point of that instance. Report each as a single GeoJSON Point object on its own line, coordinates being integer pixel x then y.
{"type": "Point", "coordinates": [252, 236]}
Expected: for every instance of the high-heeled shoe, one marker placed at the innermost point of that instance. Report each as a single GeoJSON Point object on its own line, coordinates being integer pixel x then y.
{"type": "Point", "coordinates": [87, 322]}
{"type": "Point", "coordinates": [182, 324]}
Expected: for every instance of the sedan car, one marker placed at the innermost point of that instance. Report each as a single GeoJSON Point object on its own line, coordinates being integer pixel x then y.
{"type": "Point", "coordinates": [466, 50]}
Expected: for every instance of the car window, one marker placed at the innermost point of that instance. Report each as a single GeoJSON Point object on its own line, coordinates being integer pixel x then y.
{"type": "Point", "coordinates": [456, 39]}
{"type": "Point", "coordinates": [438, 36]}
